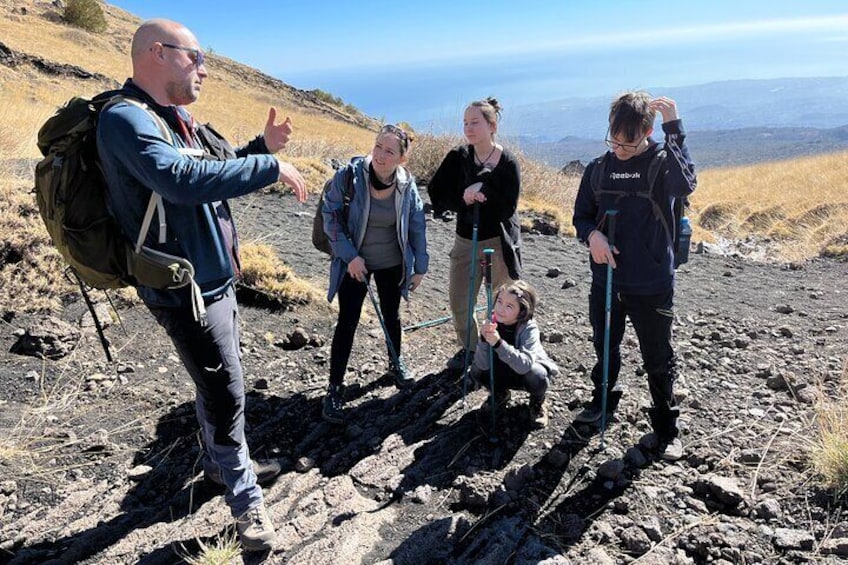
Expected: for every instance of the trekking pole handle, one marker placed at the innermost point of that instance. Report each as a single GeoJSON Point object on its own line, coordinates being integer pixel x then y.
{"type": "Point", "coordinates": [475, 214]}
{"type": "Point", "coordinates": [611, 216]}
{"type": "Point", "coordinates": [487, 264]}
{"type": "Point", "coordinates": [487, 273]}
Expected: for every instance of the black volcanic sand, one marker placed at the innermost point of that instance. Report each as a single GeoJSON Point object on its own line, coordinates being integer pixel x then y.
{"type": "Point", "coordinates": [415, 477]}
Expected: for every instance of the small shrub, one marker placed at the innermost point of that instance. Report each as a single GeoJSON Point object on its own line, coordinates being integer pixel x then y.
{"type": "Point", "coordinates": [830, 454]}
{"type": "Point", "coordinates": [327, 97]}
{"type": "Point", "coordinates": [426, 154]}
{"type": "Point", "coordinates": [85, 14]}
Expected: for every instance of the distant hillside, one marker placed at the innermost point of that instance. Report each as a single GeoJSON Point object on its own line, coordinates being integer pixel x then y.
{"type": "Point", "coordinates": [735, 104]}
{"type": "Point", "coordinates": [710, 148]}
{"type": "Point", "coordinates": [43, 62]}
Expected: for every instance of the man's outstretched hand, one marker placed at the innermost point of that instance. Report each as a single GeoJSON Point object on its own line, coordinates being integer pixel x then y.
{"type": "Point", "coordinates": [290, 176]}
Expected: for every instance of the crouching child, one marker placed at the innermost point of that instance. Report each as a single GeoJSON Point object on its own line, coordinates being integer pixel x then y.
{"type": "Point", "coordinates": [519, 360]}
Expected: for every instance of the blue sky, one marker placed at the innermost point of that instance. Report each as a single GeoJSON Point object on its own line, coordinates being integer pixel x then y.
{"type": "Point", "coordinates": [422, 62]}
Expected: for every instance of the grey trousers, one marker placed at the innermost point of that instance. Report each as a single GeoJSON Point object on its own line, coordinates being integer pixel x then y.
{"type": "Point", "coordinates": [211, 356]}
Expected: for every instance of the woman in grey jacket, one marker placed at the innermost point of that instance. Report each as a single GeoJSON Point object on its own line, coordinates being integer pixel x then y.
{"type": "Point", "coordinates": [380, 231]}
{"type": "Point", "coordinates": [519, 361]}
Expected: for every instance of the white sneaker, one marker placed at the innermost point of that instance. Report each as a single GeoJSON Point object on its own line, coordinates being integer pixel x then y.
{"type": "Point", "coordinates": [255, 529]}
{"type": "Point", "coordinates": [672, 451]}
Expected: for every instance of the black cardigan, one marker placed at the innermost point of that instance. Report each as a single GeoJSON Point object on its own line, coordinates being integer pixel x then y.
{"type": "Point", "coordinates": [498, 215]}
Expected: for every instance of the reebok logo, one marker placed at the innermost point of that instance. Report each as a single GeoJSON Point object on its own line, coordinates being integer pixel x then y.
{"type": "Point", "coordinates": [625, 176]}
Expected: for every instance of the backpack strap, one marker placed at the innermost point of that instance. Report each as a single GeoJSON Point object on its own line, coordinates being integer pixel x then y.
{"type": "Point", "coordinates": [654, 170]}
{"type": "Point", "coordinates": [347, 195]}
{"type": "Point", "coordinates": [156, 205]}
{"type": "Point", "coordinates": [599, 175]}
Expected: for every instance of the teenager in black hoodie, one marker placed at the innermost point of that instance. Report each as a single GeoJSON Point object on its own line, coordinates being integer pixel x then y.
{"type": "Point", "coordinates": [642, 257]}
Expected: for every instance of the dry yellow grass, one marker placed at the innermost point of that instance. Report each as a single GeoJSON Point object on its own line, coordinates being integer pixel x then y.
{"type": "Point", "coordinates": [223, 549]}
{"type": "Point", "coordinates": [830, 450]}
{"type": "Point", "coordinates": [263, 269]}
{"type": "Point", "coordinates": [802, 204]}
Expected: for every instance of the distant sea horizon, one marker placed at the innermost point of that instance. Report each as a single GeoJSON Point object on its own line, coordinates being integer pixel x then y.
{"type": "Point", "coordinates": [432, 96]}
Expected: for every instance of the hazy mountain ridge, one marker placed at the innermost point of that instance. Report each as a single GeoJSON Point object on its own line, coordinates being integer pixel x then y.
{"type": "Point", "coordinates": [709, 148]}
{"type": "Point", "coordinates": [735, 104]}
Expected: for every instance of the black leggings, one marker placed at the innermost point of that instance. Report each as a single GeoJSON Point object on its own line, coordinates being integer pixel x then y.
{"type": "Point", "coordinates": [351, 296]}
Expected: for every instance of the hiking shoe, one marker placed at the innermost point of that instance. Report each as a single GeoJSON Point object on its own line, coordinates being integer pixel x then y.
{"type": "Point", "coordinates": [539, 411]}
{"type": "Point", "coordinates": [333, 404]}
{"type": "Point", "coordinates": [502, 397]}
{"type": "Point", "coordinates": [401, 374]}
{"type": "Point", "coordinates": [266, 471]}
{"type": "Point", "coordinates": [590, 414]}
{"type": "Point", "coordinates": [255, 529]}
{"type": "Point", "coordinates": [457, 362]}
{"type": "Point", "coordinates": [672, 450]}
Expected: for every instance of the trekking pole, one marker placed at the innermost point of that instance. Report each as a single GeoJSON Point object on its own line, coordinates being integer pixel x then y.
{"type": "Point", "coordinates": [471, 299]}
{"type": "Point", "coordinates": [435, 322]}
{"type": "Point", "coordinates": [610, 214]}
{"type": "Point", "coordinates": [392, 353]}
{"type": "Point", "coordinates": [487, 272]}
{"type": "Point", "coordinates": [98, 326]}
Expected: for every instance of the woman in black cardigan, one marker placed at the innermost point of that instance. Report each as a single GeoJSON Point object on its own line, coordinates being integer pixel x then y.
{"type": "Point", "coordinates": [481, 173]}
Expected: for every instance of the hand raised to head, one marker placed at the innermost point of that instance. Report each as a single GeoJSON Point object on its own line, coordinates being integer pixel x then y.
{"type": "Point", "coordinates": [665, 106]}
{"type": "Point", "coordinates": [276, 135]}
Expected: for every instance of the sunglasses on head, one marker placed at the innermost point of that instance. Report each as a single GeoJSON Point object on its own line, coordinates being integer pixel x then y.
{"type": "Point", "coordinates": [394, 130]}
{"type": "Point", "coordinates": [196, 55]}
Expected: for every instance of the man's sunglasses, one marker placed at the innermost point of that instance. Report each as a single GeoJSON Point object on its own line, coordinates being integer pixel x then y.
{"type": "Point", "coordinates": [196, 55]}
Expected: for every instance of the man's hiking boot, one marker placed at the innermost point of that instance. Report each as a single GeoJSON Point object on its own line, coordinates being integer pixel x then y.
{"type": "Point", "coordinates": [539, 411]}
{"type": "Point", "coordinates": [671, 450]}
{"type": "Point", "coordinates": [457, 363]}
{"type": "Point", "coordinates": [402, 375]}
{"type": "Point", "coordinates": [333, 404]}
{"type": "Point", "coordinates": [256, 530]}
{"type": "Point", "coordinates": [266, 471]}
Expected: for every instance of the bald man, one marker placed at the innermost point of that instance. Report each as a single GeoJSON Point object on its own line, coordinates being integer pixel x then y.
{"type": "Point", "coordinates": [142, 157]}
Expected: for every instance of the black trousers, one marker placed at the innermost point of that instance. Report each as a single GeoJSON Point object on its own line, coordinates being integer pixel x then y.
{"type": "Point", "coordinates": [351, 295]}
{"type": "Point", "coordinates": [651, 316]}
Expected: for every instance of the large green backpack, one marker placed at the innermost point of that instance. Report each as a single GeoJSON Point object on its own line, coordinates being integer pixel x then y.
{"type": "Point", "coordinates": [72, 198]}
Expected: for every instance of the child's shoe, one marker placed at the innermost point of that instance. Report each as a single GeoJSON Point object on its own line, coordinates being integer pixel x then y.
{"type": "Point", "coordinates": [539, 411]}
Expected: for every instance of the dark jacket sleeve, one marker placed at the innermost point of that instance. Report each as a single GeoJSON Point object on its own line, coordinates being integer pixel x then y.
{"type": "Point", "coordinates": [501, 188]}
{"type": "Point", "coordinates": [132, 137]}
{"type": "Point", "coordinates": [585, 217]}
{"type": "Point", "coordinates": [255, 146]}
{"type": "Point", "coordinates": [446, 186]}
{"type": "Point", "coordinates": [679, 179]}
